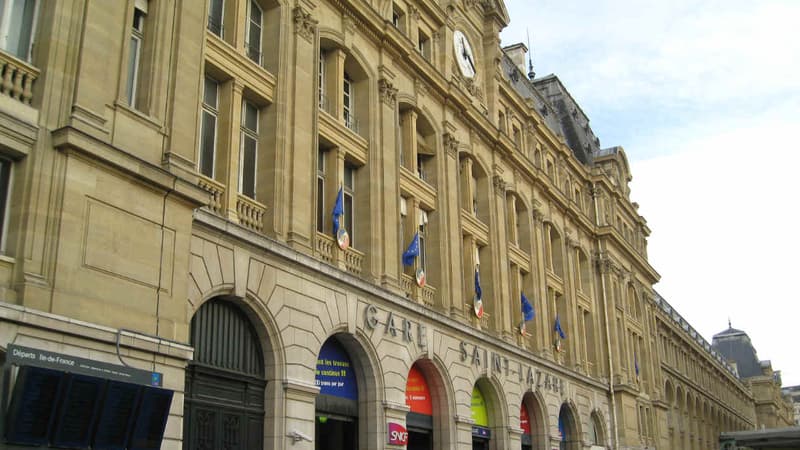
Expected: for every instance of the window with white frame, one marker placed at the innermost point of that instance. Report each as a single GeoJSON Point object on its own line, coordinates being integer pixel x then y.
{"type": "Point", "coordinates": [348, 194]}
{"type": "Point", "coordinates": [135, 50]}
{"type": "Point", "coordinates": [321, 191]}
{"type": "Point", "coordinates": [215, 16]}
{"type": "Point", "coordinates": [208, 126]}
{"type": "Point", "coordinates": [5, 188]}
{"type": "Point", "coordinates": [321, 79]}
{"type": "Point", "coordinates": [424, 45]}
{"type": "Point", "coordinates": [249, 150]}
{"type": "Point", "coordinates": [254, 26]}
{"type": "Point", "coordinates": [403, 216]}
{"type": "Point", "coordinates": [423, 228]}
{"type": "Point", "coordinates": [17, 27]}
{"type": "Point", "coordinates": [348, 101]}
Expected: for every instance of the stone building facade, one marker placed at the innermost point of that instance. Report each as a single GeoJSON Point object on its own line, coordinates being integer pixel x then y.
{"type": "Point", "coordinates": [172, 178]}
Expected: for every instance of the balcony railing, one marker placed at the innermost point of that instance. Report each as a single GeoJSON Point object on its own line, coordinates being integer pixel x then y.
{"type": "Point", "coordinates": [353, 260]}
{"type": "Point", "coordinates": [427, 295]}
{"type": "Point", "coordinates": [350, 120]}
{"type": "Point", "coordinates": [250, 212]}
{"type": "Point", "coordinates": [325, 246]}
{"type": "Point", "coordinates": [17, 78]}
{"type": "Point", "coordinates": [407, 283]}
{"type": "Point", "coordinates": [217, 191]}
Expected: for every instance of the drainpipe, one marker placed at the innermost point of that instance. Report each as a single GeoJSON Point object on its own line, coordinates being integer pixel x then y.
{"type": "Point", "coordinates": [608, 332]}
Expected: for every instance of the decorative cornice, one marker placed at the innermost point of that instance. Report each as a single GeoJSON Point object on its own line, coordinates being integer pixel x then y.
{"type": "Point", "coordinates": [304, 24]}
{"type": "Point", "coordinates": [387, 92]}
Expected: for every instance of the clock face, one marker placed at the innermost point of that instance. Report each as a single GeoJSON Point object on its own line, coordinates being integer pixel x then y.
{"type": "Point", "coordinates": [464, 55]}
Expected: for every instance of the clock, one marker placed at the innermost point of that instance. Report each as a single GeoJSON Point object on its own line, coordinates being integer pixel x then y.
{"type": "Point", "coordinates": [464, 55]}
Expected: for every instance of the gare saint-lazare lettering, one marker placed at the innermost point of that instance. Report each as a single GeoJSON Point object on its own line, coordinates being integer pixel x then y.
{"type": "Point", "coordinates": [395, 325]}
{"type": "Point", "coordinates": [531, 376]}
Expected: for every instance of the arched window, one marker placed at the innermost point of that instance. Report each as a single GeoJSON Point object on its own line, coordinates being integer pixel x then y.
{"type": "Point", "coordinates": [554, 257]}
{"type": "Point", "coordinates": [584, 273]}
{"type": "Point", "coordinates": [596, 430]}
{"type": "Point", "coordinates": [568, 433]}
{"type": "Point", "coordinates": [224, 400]}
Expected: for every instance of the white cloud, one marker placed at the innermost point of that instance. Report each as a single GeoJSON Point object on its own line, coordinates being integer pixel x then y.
{"type": "Point", "coordinates": [705, 98]}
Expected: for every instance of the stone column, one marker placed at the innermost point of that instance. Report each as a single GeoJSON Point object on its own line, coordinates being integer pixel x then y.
{"type": "Point", "coordinates": [300, 415]}
{"type": "Point", "coordinates": [338, 182]}
{"type": "Point", "coordinates": [451, 289]}
{"type": "Point", "coordinates": [544, 324]}
{"type": "Point", "coordinates": [390, 195]}
{"type": "Point", "coordinates": [499, 240]}
{"type": "Point", "coordinates": [231, 100]}
{"type": "Point", "coordinates": [303, 111]}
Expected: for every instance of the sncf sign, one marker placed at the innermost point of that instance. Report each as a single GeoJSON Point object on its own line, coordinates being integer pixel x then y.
{"type": "Point", "coordinates": [397, 434]}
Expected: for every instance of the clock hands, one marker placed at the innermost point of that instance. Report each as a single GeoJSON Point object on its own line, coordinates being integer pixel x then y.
{"type": "Point", "coordinates": [466, 55]}
{"type": "Point", "coordinates": [469, 58]}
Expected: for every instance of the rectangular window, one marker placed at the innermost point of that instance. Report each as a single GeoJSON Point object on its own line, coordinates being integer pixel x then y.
{"type": "Point", "coordinates": [215, 16]}
{"type": "Point", "coordinates": [249, 151]}
{"type": "Point", "coordinates": [423, 227]}
{"type": "Point", "coordinates": [5, 185]}
{"type": "Point", "coordinates": [348, 192]}
{"type": "Point", "coordinates": [135, 51]}
{"type": "Point", "coordinates": [347, 102]}
{"type": "Point", "coordinates": [321, 75]}
{"type": "Point", "coordinates": [424, 45]}
{"type": "Point", "coordinates": [17, 27]}
{"type": "Point", "coordinates": [398, 18]}
{"type": "Point", "coordinates": [208, 127]}
{"type": "Point", "coordinates": [254, 26]}
{"type": "Point", "coordinates": [321, 191]}
{"type": "Point", "coordinates": [403, 215]}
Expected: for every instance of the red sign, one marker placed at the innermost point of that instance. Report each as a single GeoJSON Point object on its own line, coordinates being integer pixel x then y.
{"type": "Point", "coordinates": [524, 423]}
{"type": "Point", "coordinates": [397, 434]}
{"type": "Point", "coordinates": [418, 396]}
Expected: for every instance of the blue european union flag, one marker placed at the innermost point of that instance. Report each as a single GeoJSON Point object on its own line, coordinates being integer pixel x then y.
{"type": "Point", "coordinates": [412, 251]}
{"type": "Point", "coordinates": [338, 210]}
{"type": "Point", "coordinates": [636, 363]}
{"type": "Point", "coordinates": [527, 309]}
{"type": "Point", "coordinates": [558, 329]}
{"type": "Point", "coordinates": [478, 292]}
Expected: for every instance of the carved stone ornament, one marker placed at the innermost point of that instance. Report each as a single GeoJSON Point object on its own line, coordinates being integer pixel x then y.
{"type": "Point", "coordinates": [350, 23]}
{"type": "Point", "coordinates": [420, 87]}
{"type": "Point", "coordinates": [538, 216]}
{"type": "Point", "coordinates": [450, 144]}
{"type": "Point", "coordinates": [387, 92]}
{"type": "Point", "coordinates": [304, 24]}
{"type": "Point", "coordinates": [499, 184]}
{"type": "Point", "coordinates": [473, 88]}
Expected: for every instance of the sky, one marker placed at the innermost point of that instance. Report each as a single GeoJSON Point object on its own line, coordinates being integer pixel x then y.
{"type": "Point", "coordinates": [704, 96]}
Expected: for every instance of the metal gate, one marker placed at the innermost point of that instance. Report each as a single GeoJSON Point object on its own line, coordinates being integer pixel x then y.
{"type": "Point", "coordinates": [224, 405]}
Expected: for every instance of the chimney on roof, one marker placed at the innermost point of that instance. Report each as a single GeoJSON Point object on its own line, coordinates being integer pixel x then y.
{"type": "Point", "coordinates": [517, 54]}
